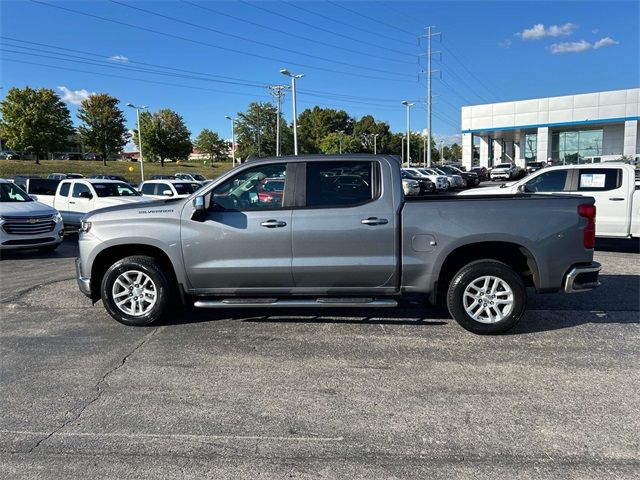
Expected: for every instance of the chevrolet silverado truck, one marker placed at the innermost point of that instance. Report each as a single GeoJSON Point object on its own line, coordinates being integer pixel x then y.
{"type": "Point", "coordinates": [326, 243]}
{"type": "Point", "coordinates": [73, 198]}
{"type": "Point", "coordinates": [615, 187]}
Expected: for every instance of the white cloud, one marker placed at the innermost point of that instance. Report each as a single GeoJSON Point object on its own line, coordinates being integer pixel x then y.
{"type": "Point", "coordinates": [595, 31]}
{"type": "Point", "coordinates": [505, 43]}
{"type": "Point", "coordinates": [74, 96]}
{"type": "Point", "coordinates": [119, 58]}
{"type": "Point", "coordinates": [539, 31]}
{"type": "Point", "coordinates": [605, 42]}
{"type": "Point", "coordinates": [581, 46]}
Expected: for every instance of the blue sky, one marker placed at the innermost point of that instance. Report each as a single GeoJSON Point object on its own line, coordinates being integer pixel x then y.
{"type": "Point", "coordinates": [209, 59]}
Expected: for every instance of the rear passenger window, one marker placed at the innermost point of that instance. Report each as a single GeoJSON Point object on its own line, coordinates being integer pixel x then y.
{"type": "Point", "coordinates": [553, 181]}
{"type": "Point", "coordinates": [64, 189]}
{"type": "Point", "coordinates": [599, 179]}
{"type": "Point", "coordinates": [148, 188]}
{"type": "Point", "coordinates": [340, 184]}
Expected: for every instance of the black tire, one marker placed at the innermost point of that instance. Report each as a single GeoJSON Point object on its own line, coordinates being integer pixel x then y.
{"type": "Point", "coordinates": [149, 267]}
{"type": "Point", "coordinates": [473, 272]}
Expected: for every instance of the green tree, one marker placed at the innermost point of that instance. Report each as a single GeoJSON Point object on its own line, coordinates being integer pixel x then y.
{"type": "Point", "coordinates": [456, 151]}
{"type": "Point", "coordinates": [210, 143]}
{"type": "Point", "coordinates": [365, 129]}
{"type": "Point", "coordinates": [103, 127]}
{"type": "Point", "coordinates": [315, 124]}
{"type": "Point", "coordinates": [256, 131]}
{"type": "Point", "coordinates": [35, 121]}
{"type": "Point", "coordinates": [335, 142]}
{"type": "Point", "coordinates": [164, 136]}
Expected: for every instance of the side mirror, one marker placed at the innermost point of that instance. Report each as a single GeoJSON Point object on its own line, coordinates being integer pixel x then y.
{"type": "Point", "coordinates": [86, 195]}
{"type": "Point", "coordinates": [33, 197]}
{"type": "Point", "coordinates": [523, 188]}
{"type": "Point", "coordinates": [167, 193]}
{"type": "Point", "coordinates": [198, 204]}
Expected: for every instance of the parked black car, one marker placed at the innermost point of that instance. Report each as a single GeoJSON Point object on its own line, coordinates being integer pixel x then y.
{"type": "Point", "coordinates": [426, 185]}
{"type": "Point", "coordinates": [470, 177]}
{"type": "Point", "coordinates": [535, 166]}
{"type": "Point", "coordinates": [482, 172]}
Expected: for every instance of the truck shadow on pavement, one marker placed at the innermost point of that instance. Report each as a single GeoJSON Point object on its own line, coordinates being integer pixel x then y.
{"type": "Point", "coordinates": [617, 301]}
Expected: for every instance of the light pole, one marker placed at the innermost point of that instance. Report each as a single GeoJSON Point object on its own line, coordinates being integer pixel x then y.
{"type": "Point", "coordinates": [375, 143]}
{"type": "Point", "coordinates": [341, 132]}
{"type": "Point", "coordinates": [142, 107]}
{"type": "Point", "coordinates": [293, 77]}
{"type": "Point", "coordinates": [233, 138]}
{"type": "Point", "coordinates": [408, 105]}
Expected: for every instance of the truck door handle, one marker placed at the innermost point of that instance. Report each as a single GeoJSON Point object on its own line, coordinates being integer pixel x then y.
{"type": "Point", "coordinates": [273, 224]}
{"type": "Point", "coordinates": [374, 221]}
{"type": "Point", "coordinates": [72, 203]}
{"type": "Point", "coordinates": [616, 199]}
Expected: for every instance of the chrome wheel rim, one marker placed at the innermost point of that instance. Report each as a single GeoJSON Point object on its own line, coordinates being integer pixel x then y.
{"type": "Point", "coordinates": [134, 293]}
{"type": "Point", "coordinates": [488, 299]}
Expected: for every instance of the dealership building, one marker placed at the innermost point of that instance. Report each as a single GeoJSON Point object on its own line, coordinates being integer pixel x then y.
{"type": "Point", "coordinates": [584, 128]}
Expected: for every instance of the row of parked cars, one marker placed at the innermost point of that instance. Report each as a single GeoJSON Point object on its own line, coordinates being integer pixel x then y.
{"type": "Point", "coordinates": [35, 210]}
{"type": "Point", "coordinates": [418, 181]}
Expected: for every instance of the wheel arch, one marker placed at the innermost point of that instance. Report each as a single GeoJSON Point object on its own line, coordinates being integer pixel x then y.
{"type": "Point", "coordinates": [111, 255]}
{"type": "Point", "coordinates": [512, 254]}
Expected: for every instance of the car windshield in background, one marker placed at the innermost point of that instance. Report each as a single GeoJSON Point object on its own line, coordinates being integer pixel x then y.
{"type": "Point", "coordinates": [114, 190]}
{"type": "Point", "coordinates": [200, 178]}
{"type": "Point", "coordinates": [186, 188]}
{"type": "Point", "coordinates": [503, 165]}
{"type": "Point", "coordinates": [12, 193]}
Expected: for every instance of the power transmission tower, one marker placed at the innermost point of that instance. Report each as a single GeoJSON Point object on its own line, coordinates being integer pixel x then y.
{"type": "Point", "coordinates": [278, 92]}
{"type": "Point", "coordinates": [430, 53]}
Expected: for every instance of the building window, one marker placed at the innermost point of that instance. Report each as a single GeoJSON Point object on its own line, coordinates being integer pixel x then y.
{"type": "Point", "coordinates": [530, 147]}
{"type": "Point", "coordinates": [576, 146]}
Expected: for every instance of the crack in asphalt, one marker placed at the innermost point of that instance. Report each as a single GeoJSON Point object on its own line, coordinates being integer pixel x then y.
{"type": "Point", "coordinates": [99, 389]}
{"type": "Point", "coordinates": [21, 293]}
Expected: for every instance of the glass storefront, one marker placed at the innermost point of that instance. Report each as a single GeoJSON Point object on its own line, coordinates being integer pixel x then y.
{"type": "Point", "coordinates": [530, 147]}
{"type": "Point", "coordinates": [574, 146]}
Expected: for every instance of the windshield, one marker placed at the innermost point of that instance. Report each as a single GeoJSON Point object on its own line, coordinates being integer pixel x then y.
{"type": "Point", "coordinates": [12, 193]}
{"type": "Point", "coordinates": [440, 172]}
{"type": "Point", "coordinates": [503, 165]}
{"type": "Point", "coordinates": [186, 188]}
{"type": "Point", "coordinates": [115, 190]}
{"type": "Point", "coordinates": [200, 178]}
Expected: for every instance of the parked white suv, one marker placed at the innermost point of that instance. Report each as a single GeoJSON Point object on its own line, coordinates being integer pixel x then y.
{"type": "Point", "coordinates": [440, 181]}
{"type": "Point", "coordinates": [168, 188]}
{"type": "Point", "coordinates": [505, 171]}
{"type": "Point", "coordinates": [25, 223]}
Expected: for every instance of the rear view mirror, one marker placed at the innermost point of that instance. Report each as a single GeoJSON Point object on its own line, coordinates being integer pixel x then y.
{"type": "Point", "coordinates": [167, 193]}
{"type": "Point", "coordinates": [198, 204]}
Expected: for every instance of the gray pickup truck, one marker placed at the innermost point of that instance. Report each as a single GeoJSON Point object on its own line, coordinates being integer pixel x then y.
{"type": "Point", "coordinates": [335, 231]}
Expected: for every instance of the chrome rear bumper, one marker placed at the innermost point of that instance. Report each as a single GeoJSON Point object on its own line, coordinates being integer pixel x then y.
{"type": "Point", "coordinates": [582, 278]}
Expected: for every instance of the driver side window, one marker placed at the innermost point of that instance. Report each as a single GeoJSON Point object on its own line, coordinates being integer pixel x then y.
{"type": "Point", "coordinates": [553, 181]}
{"type": "Point", "coordinates": [258, 188]}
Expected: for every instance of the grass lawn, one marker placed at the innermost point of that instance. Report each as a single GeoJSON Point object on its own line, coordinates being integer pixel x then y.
{"type": "Point", "coordinates": [11, 168]}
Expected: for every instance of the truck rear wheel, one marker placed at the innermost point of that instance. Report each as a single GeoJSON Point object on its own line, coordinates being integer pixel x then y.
{"type": "Point", "coordinates": [486, 297]}
{"type": "Point", "coordinates": [135, 291]}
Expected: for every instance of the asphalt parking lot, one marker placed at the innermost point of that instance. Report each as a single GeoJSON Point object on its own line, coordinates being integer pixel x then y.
{"type": "Point", "coordinates": [401, 393]}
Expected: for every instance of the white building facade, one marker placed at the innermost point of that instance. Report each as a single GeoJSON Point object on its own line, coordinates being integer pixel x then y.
{"type": "Point", "coordinates": [592, 127]}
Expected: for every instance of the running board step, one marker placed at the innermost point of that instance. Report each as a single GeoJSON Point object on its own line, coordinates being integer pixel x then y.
{"type": "Point", "coordinates": [277, 303]}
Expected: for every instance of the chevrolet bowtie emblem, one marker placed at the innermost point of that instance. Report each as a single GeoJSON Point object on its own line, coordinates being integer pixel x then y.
{"type": "Point", "coordinates": [33, 220]}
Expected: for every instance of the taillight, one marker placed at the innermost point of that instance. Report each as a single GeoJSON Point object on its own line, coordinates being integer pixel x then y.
{"type": "Point", "coordinates": [589, 235]}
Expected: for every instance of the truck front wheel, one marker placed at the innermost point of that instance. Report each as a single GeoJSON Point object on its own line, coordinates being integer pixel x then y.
{"type": "Point", "coordinates": [134, 291]}
{"type": "Point", "coordinates": [486, 297]}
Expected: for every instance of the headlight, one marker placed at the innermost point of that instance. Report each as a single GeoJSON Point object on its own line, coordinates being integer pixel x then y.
{"type": "Point", "coordinates": [85, 227]}
{"type": "Point", "coordinates": [57, 217]}
{"type": "Point", "coordinates": [1, 221]}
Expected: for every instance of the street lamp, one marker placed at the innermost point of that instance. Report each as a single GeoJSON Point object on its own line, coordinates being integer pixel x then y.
{"type": "Point", "coordinates": [408, 105]}
{"type": "Point", "coordinates": [341, 132]}
{"type": "Point", "coordinates": [293, 77]}
{"type": "Point", "coordinates": [233, 138]}
{"type": "Point", "coordinates": [142, 107]}
{"type": "Point", "coordinates": [375, 143]}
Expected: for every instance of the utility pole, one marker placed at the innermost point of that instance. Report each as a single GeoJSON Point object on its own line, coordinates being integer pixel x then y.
{"type": "Point", "coordinates": [233, 138]}
{"type": "Point", "coordinates": [278, 92]}
{"type": "Point", "coordinates": [441, 150]}
{"type": "Point", "coordinates": [430, 72]}
{"type": "Point", "coordinates": [375, 143]}
{"type": "Point", "coordinates": [138, 108]}
{"type": "Point", "coordinates": [408, 105]}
